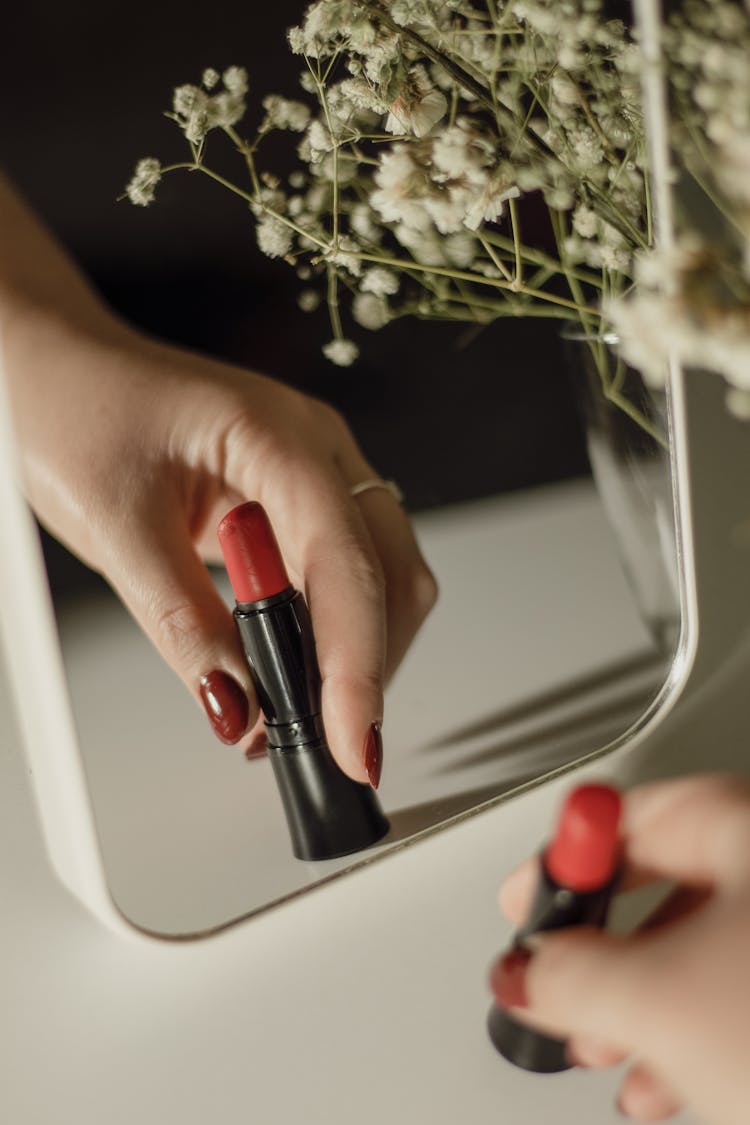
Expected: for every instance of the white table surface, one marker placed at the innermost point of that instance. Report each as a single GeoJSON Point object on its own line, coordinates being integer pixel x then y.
{"type": "Point", "coordinates": [364, 999]}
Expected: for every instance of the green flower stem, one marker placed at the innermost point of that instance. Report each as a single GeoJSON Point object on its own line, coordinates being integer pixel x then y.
{"type": "Point", "coordinates": [477, 279]}
{"type": "Point", "coordinates": [320, 87]}
{"type": "Point", "coordinates": [333, 303]}
{"type": "Point", "coordinates": [496, 259]}
{"type": "Point", "coordinates": [515, 227]}
{"type": "Point", "coordinates": [248, 151]}
{"type": "Point", "coordinates": [539, 258]}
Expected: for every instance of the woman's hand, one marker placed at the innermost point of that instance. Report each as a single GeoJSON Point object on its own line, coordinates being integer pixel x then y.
{"type": "Point", "coordinates": [675, 996]}
{"type": "Point", "coordinates": [133, 452]}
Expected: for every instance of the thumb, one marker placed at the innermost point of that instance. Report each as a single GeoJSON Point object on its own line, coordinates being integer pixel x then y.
{"type": "Point", "coordinates": [169, 592]}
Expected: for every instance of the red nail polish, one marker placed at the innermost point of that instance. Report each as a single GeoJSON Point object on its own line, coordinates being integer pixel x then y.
{"type": "Point", "coordinates": [508, 978]}
{"type": "Point", "coordinates": [373, 754]}
{"type": "Point", "coordinates": [226, 706]}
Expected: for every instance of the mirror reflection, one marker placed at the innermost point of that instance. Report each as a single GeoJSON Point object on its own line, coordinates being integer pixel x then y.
{"type": "Point", "coordinates": [557, 614]}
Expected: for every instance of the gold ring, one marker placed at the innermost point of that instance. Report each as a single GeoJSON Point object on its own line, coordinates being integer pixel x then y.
{"type": "Point", "coordinates": [377, 482]}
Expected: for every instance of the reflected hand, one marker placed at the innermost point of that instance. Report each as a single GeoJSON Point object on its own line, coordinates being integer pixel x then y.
{"type": "Point", "coordinates": [675, 996]}
{"type": "Point", "coordinates": [135, 450]}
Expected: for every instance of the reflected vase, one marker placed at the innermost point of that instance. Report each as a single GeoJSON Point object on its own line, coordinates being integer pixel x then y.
{"type": "Point", "coordinates": [627, 438]}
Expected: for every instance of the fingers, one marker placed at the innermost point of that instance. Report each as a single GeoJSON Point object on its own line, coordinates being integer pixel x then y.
{"type": "Point", "coordinates": [363, 577]}
{"type": "Point", "coordinates": [330, 556]}
{"type": "Point", "coordinates": [410, 588]}
{"type": "Point", "coordinates": [577, 983]}
{"type": "Point", "coordinates": [169, 592]}
{"type": "Point", "coordinates": [589, 1052]}
{"type": "Point", "coordinates": [345, 590]}
{"type": "Point", "coordinates": [695, 831]}
{"type": "Point", "coordinates": [644, 1096]}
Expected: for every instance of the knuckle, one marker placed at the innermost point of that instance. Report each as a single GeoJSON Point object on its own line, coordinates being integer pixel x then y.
{"type": "Point", "coordinates": [177, 630]}
{"type": "Point", "coordinates": [332, 419]}
{"type": "Point", "coordinates": [424, 589]}
{"type": "Point", "coordinates": [416, 590]}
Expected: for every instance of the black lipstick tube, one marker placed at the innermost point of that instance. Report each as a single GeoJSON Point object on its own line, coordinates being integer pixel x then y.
{"type": "Point", "coordinates": [328, 813]}
{"type": "Point", "coordinates": [554, 908]}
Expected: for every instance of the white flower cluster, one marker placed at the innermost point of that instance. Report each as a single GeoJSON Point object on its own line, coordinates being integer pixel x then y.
{"type": "Point", "coordinates": [674, 313]}
{"type": "Point", "coordinates": [196, 110]}
{"type": "Point", "coordinates": [694, 303]}
{"type": "Point", "coordinates": [142, 186]}
{"type": "Point", "coordinates": [427, 125]}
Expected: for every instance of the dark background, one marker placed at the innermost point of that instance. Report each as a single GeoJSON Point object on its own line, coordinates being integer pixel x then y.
{"type": "Point", "coordinates": [450, 413]}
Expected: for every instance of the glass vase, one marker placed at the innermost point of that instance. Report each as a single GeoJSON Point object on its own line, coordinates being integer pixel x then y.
{"type": "Point", "coordinates": [627, 438]}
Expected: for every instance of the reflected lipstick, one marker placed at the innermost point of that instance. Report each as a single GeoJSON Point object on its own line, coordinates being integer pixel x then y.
{"type": "Point", "coordinates": [328, 813]}
{"type": "Point", "coordinates": [578, 876]}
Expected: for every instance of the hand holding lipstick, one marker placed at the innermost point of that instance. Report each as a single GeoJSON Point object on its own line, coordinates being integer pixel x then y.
{"type": "Point", "coordinates": [134, 450]}
{"type": "Point", "coordinates": [675, 996]}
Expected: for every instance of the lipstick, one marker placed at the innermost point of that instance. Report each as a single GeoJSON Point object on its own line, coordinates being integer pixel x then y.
{"type": "Point", "coordinates": [328, 813]}
{"type": "Point", "coordinates": [579, 871]}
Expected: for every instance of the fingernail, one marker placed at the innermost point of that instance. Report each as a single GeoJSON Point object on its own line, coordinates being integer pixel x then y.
{"type": "Point", "coordinates": [621, 1108]}
{"type": "Point", "coordinates": [258, 746]}
{"type": "Point", "coordinates": [226, 706]}
{"type": "Point", "coordinates": [373, 754]}
{"type": "Point", "coordinates": [508, 978]}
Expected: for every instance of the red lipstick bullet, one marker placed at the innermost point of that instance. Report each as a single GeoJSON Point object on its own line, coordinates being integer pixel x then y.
{"type": "Point", "coordinates": [328, 814]}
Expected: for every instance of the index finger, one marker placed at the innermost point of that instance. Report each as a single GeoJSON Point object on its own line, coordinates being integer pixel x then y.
{"type": "Point", "coordinates": [330, 555]}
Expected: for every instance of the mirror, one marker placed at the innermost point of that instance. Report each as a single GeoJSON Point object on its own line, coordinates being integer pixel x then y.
{"type": "Point", "coordinates": [537, 654]}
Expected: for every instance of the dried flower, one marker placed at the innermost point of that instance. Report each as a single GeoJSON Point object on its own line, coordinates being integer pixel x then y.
{"type": "Point", "coordinates": [425, 124]}
{"type": "Point", "coordinates": [417, 107]}
{"type": "Point", "coordinates": [142, 186]}
{"type": "Point", "coordinates": [341, 352]}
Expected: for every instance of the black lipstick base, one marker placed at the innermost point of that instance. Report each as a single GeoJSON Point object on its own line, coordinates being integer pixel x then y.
{"type": "Point", "coordinates": [328, 813]}
{"type": "Point", "coordinates": [525, 1047]}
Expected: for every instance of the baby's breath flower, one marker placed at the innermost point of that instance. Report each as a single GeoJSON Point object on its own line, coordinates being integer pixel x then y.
{"type": "Point", "coordinates": [319, 138]}
{"type": "Point", "coordinates": [274, 237]}
{"type": "Point", "coordinates": [308, 300]}
{"type": "Point", "coordinates": [370, 311]}
{"type": "Point", "coordinates": [402, 186]}
{"type": "Point", "coordinates": [281, 113]}
{"type": "Point", "coordinates": [380, 281]}
{"type": "Point", "coordinates": [585, 222]}
{"type": "Point", "coordinates": [549, 103]}
{"type": "Point", "coordinates": [345, 254]}
{"type": "Point", "coordinates": [488, 203]}
{"type": "Point", "coordinates": [341, 352]}
{"type": "Point", "coordinates": [142, 186]}
{"type": "Point", "coordinates": [190, 105]}
{"type": "Point", "coordinates": [235, 80]}
{"type": "Point", "coordinates": [418, 105]}
{"type": "Point", "coordinates": [296, 39]}
{"type": "Point", "coordinates": [226, 109]}
{"type": "Point", "coordinates": [363, 223]}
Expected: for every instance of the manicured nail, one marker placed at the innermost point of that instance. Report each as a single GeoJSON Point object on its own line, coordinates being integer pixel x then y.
{"type": "Point", "coordinates": [258, 746]}
{"type": "Point", "coordinates": [508, 978]}
{"type": "Point", "coordinates": [373, 754]}
{"type": "Point", "coordinates": [226, 706]}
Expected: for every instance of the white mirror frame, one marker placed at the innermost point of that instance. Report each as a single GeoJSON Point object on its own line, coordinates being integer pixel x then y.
{"type": "Point", "coordinates": [709, 449]}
